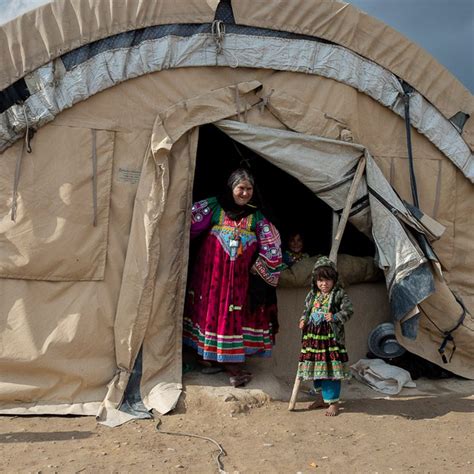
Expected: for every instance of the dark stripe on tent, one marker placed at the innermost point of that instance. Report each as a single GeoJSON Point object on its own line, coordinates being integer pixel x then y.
{"type": "Point", "coordinates": [224, 12]}
{"type": "Point", "coordinates": [336, 185]}
{"type": "Point", "coordinates": [357, 206]}
{"type": "Point", "coordinates": [383, 201]}
{"type": "Point", "coordinates": [136, 37]}
{"type": "Point", "coordinates": [14, 94]}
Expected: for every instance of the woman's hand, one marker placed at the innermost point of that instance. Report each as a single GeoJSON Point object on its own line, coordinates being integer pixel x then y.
{"type": "Point", "coordinates": [301, 325]}
{"type": "Point", "coordinates": [328, 317]}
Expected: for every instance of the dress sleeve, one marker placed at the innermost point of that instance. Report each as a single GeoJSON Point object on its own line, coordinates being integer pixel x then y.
{"type": "Point", "coordinates": [269, 257]}
{"type": "Point", "coordinates": [201, 216]}
{"type": "Point", "coordinates": [345, 308]}
{"type": "Point", "coordinates": [308, 302]}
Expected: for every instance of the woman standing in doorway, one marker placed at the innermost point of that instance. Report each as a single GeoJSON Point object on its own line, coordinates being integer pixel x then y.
{"type": "Point", "coordinates": [219, 321]}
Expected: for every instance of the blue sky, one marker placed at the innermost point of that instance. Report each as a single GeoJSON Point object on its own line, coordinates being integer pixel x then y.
{"type": "Point", "coordinates": [445, 28]}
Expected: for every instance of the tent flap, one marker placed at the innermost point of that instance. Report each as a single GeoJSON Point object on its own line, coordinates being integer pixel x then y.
{"type": "Point", "coordinates": [327, 167]}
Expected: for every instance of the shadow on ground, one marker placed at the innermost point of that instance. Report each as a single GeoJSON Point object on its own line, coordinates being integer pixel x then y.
{"type": "Point", "coordinates": [42, 436]}
{"type": "Point", "coordinates": [422, 408]}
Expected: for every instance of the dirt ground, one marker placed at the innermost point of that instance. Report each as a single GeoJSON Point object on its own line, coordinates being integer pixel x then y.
{"type": "Point", "coordinates": [428, 429]}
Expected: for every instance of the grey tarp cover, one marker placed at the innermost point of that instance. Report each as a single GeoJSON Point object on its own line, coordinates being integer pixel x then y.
{"type": "Point", "coordinates": [324, 166]}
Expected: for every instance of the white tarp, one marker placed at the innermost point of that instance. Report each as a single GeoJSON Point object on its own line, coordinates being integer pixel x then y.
{"type": "Point", "coordinates": [54, 88]}
{"type": "Point", "coordinates": [382, 377]}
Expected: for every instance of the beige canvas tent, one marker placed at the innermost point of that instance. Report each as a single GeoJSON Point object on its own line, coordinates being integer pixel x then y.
{"type": "Point", "coordinates": [101, 105]}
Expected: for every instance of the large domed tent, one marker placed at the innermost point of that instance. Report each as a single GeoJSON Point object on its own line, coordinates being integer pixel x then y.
{"type": "Point", "coordinates": [101, 108]}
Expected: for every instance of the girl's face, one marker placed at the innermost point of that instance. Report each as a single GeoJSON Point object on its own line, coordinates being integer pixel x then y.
{"type": "Point", "coordinates": [295, 244]}
{"type": "Point", "coordinates": [243, 192]}
{"type": "Point", "coordinates": [325, 286]}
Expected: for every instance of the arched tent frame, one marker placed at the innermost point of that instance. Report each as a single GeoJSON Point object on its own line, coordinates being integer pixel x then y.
{"type": "Point", "coordinates": [28, 44]}
{"type": "Point", "coordinates": [53, 88]}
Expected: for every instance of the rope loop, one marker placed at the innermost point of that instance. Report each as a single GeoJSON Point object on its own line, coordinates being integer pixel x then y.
{"type": "Point", "coordinates": [265, 100]}
{"type": "Point", "coordinates": [218, 32]}
{"type": "Point", "coordinates": [29, 131]}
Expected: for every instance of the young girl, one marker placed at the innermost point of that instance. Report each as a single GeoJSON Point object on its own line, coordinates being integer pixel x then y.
{"type": "Point", "coordinates": [323, 355]}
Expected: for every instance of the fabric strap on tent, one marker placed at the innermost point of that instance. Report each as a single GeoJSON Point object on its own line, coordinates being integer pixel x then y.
{"type": "Point", "coordinates": [94, 176]}
{"type": "Point", "coordinates": [16, 181]}
{"type": "Point", "coordinates": [27, 145]}
{"type": "Point", "coordinates": [408, 90]}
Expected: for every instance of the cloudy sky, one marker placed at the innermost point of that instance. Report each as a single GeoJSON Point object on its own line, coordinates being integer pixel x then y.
{"type": "Point", "coordinates": [445, 28]}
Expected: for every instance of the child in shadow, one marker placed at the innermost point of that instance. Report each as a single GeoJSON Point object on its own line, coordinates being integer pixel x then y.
{"type": "Point", "coordinates": [295, 249]}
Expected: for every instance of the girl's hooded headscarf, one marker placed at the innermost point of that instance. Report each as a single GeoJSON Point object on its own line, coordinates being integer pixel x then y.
{"type": "Point", "coordinates": [321, 262]}
{"type": "Point", "coordinates": [226, 200]}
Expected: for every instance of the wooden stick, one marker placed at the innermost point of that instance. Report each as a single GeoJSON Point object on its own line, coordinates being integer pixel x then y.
{"type": "Point", "coordinates": [347, 209]}
{"type": "Point", "coordinates": [294, 393]}
{"type": "Point", "coordinates": [335, 225]}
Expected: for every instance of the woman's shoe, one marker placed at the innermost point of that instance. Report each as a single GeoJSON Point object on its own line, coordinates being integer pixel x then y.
{"type": "Point", "coordinates": [240, 380]}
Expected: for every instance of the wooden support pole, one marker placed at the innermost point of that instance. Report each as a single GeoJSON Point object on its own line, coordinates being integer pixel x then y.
{"type": "Point", "coordinates": [294, 393]}
{"type": "Point", "coordinates": [335, 225]}
{"type": "Point", "coordinates": [347, 209]}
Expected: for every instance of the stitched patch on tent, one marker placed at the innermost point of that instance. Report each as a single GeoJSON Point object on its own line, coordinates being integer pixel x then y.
{"type": "Point", "coordinates": [128, 176]}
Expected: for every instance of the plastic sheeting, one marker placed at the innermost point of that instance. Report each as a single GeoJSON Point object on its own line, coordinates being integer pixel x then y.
{"type": "Point", "coordinates": [55, 88]}
{"type": "Point", "coordinates": [38, 36]}
{"type": "Point", "coordinates": [382, 377]}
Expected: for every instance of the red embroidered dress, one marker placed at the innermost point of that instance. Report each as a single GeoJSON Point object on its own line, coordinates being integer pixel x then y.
{"type": "Point", "coordinates": [218, 321]}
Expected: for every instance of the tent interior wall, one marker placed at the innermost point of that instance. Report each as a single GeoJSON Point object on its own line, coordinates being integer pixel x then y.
{"type": "Point", "coordinates": [87, 279]}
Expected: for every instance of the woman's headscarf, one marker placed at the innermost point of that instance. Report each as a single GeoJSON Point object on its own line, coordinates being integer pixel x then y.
{"type": "Point", "coordinates": [226, 200]}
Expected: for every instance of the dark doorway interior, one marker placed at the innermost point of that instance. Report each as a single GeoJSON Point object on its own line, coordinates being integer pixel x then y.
{"type": "Point", "coordinates": [284, 200]}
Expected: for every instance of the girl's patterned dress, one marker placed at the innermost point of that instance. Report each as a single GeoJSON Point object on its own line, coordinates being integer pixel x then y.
{"type": "Point", "coordinates": [322, 357]}
{"type": "Point", "coordinates": [290, 258]}
{"type": "Point", "coordinates": [218, 321]}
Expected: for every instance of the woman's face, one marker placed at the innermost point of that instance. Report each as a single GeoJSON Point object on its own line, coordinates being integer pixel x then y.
{"type": "Point", "coordinates": [243, 192]}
